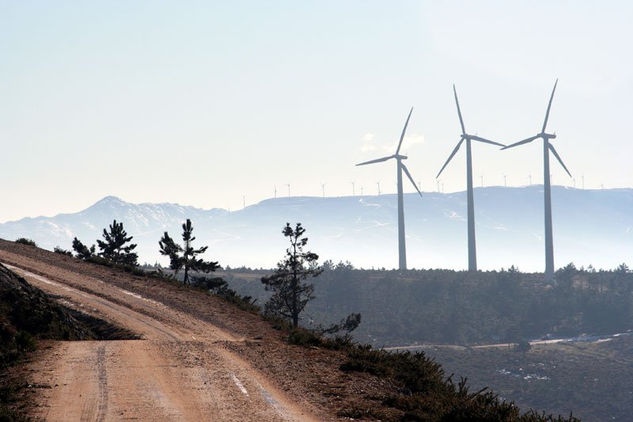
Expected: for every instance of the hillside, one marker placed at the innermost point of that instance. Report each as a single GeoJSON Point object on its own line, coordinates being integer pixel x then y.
{"type": "Point", "coordinates": [200, 358]}
{"type": "Point", "coordinates": [591, 227]}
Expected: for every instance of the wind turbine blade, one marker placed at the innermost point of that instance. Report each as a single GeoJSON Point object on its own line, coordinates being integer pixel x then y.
{"type": "Point", "coordinates": [488, 141]}
{"type": "Point", "coordinates": [459, 112]}
{"type": "Point", "coordinates": [406, 171]}
{"type": "Point", "coordinates": [549, 106]}
{"type": "Point", "coordinates": [404, 129]}
{"type": "Point", "coordinates": [551, 148]}
{"type": "Point", "coordinates": [525, 141]}
{"type": "Point", "coordinates": [377, 160]}
{"type": "Point", "coordinates": [450, 157]}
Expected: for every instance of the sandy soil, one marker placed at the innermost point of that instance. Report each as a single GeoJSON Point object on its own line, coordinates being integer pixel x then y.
{"type": "Point", "coordinates": [199, 358]}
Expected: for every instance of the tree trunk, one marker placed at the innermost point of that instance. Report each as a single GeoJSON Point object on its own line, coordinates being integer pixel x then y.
{"type": "Point", "coordinates": [295, 311]}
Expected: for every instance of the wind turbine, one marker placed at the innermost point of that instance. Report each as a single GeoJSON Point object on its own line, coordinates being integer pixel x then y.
{"type": "Point", "coordinates": [472, 248]}
{"type": "Point", "coordinates": [547, 189]}
{"type": "Point", "coordinates": [402, 253]}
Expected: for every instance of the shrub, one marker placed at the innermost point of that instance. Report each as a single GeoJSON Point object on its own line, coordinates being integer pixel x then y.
{"type": "Point", "coordinates": [523, 346]}
{"type": "Point", "coordinates": [61, 251]}
{"type": "Point", "coordinates": [219, 287]}
{"type": "Point", "coordinates": [303, 337]}
{"type": "Point", "coordinates": [25, 241]}
{"type": "Point", "coordinates": [24, 341]}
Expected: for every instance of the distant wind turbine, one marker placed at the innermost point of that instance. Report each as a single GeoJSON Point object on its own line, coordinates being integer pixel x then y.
{"type": "Point", "coordinates": [402, 253]}
{"type": "Point", "coordinates": [547, 190]}
{"type": "Point", "coordinates": [472, 249]}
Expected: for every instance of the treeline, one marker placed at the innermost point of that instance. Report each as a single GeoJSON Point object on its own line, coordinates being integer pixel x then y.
{"type": "Point", "coordinates": [458, 307]}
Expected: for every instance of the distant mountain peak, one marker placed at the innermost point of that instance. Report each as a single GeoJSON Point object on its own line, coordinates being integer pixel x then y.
{"type": "Point", "coordinates": [110, 199]}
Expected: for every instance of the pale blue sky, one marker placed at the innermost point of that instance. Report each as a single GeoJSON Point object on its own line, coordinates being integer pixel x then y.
{"type": "Point", "coordinates": [201, 103]}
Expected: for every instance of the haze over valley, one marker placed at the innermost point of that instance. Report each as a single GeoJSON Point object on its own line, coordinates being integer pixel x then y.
{"type": "Point", "coordinates": [591, 227]}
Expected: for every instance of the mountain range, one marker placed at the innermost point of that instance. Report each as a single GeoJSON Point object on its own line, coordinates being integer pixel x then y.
{"type": "Point", "coordinates": [591, 227]}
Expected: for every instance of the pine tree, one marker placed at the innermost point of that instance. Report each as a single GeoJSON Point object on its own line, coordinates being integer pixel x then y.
{"type": "Point", "coordinates": [290, 293]}
{"type": "Point", "coordinates": [172, 250]}
{"type": "Point", "coordinates": [113, 247]}
{"type": "Point", "coordinates": [185, 257]}
{"type": "Point", "coordinates": [81, 250]}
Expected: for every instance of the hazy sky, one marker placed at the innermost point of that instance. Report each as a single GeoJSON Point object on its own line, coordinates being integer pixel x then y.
{"type": "Point", "coordinates": [201, 102]}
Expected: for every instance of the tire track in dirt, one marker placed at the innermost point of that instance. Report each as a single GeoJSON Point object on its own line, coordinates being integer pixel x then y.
{"type": "Point", "coordinates": [103, 384]}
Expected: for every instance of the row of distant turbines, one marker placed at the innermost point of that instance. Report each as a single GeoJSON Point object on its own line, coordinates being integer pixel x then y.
{"type": "Point", "coordinates": [439, 188]}
{"type": "Point", "coordinates": [468, 139]}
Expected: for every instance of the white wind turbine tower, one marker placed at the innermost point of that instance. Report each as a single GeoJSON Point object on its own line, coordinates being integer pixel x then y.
{"type": "Point", "coordinates": [402, 253]}
{"type": "Point", "coordinates": [472, 249]}
{"type": "Point", "coordinates": [547, 189]}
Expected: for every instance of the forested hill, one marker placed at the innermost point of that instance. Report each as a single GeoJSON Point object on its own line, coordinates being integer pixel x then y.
{"type": "Point", "coordinates": [590, 227]}
{"type": "Point", "coordinates": [458, 307]}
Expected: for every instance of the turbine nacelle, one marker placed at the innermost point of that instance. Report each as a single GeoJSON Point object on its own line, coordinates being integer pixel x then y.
{"type": "Point", "coordinates": [464, 136]}
{"type": "Point", "coordinates": [399, 157]}
{"type": "Point", "coordinates": [544, 135]}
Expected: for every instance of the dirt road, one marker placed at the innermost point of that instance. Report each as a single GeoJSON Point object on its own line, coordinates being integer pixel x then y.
{"type": "Point", "coordinates": [181, 369]}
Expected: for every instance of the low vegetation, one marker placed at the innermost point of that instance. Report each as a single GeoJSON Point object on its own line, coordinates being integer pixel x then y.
{"type": "Point", "coordinates": [62, 251]}
{"type": "Point", "coordinates": [422, 391]}
{"type": "Point", "coordinates": [25, 241]}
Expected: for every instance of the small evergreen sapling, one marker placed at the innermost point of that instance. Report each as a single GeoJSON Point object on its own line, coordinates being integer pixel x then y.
{"type": "Point", "coordinates": [185, 257]}
{"type": "Point", "coordinates": [290, 293]}
{"type": "Point", "coordinates": [82, 251]}
{"type": "Point", "coordinates": [113, 246]}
